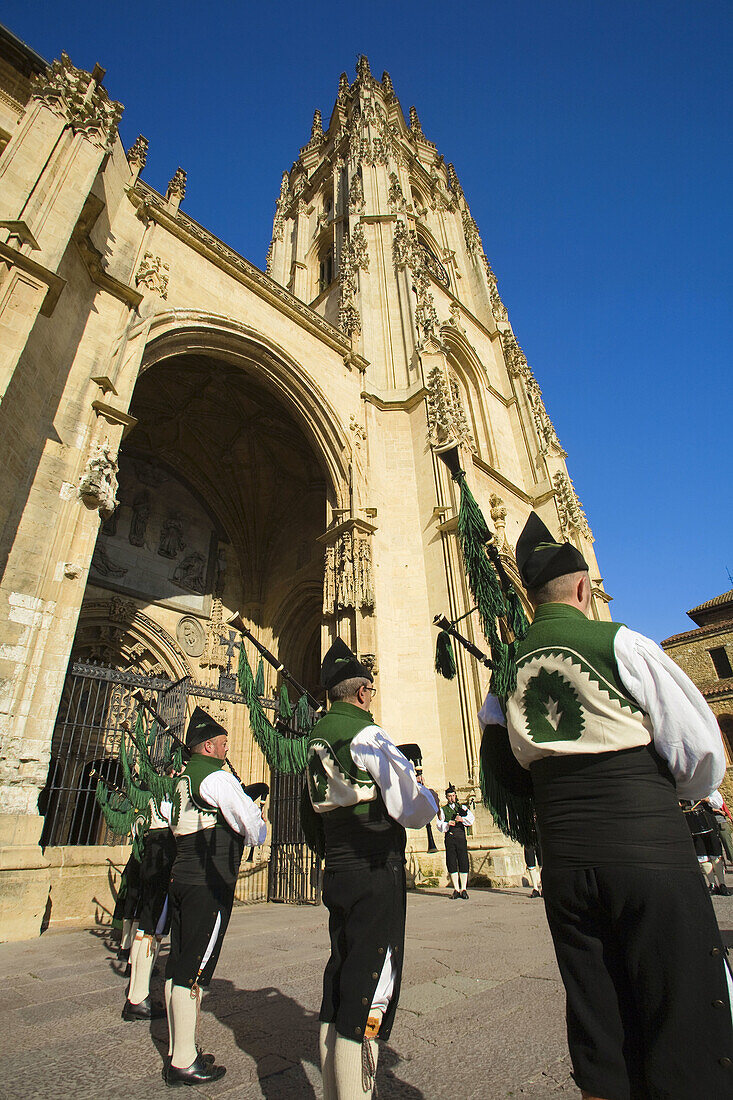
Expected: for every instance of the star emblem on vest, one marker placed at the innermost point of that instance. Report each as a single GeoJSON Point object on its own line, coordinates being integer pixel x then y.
{"type": "Point", "coordinates": [552, 708]}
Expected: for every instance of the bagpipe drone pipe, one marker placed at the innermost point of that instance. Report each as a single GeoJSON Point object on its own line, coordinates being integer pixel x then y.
{"type": "Point", "coordinates": [506, 787]}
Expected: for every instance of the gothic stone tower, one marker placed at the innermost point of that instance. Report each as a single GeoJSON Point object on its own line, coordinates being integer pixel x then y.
{"type": "Point", "coordinates": [183, 435]}
{"type": "Point", "coordinates": [372, 228]}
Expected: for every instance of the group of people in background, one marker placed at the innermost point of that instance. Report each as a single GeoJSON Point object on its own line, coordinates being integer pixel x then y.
{"type": "Point", "coordinates": [709, 821]}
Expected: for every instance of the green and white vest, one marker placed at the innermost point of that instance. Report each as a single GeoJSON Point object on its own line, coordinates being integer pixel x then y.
{"type": "Point", "coordinates": [334, 781]}
{"type": "Point", "coordinates": [208, 851]}
{"type": "Point", "coordinates": [569, 697]}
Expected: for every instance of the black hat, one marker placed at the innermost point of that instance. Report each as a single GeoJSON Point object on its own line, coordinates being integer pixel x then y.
{"type": "Point", "coordinates": [202, 727]}
{"type": "Point", "coordinates": [540, 559]}
{"type": "Point", "coordinates": [450, 789]}
{"type": "Point", "coordinates": [341, 664]}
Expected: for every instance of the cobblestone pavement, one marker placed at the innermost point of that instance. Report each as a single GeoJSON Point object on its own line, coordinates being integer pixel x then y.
{"type": "Point", "coordinates": [481, 1013]}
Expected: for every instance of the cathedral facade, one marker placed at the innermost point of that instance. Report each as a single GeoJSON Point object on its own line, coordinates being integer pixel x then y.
{"type": "Point", "coordinates": [184, 435]}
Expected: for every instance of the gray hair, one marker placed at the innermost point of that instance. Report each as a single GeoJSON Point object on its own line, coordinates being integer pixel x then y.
{"type": "Point", "coordinates": [558, 590]}
{"type": "Point", "coordinates": [347, 689]}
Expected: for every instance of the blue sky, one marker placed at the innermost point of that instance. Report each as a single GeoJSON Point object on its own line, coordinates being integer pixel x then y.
{"type": "Point", "coordinates": [592, 140]}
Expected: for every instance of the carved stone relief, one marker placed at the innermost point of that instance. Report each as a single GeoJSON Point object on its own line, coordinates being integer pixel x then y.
{"type": "Point", "coordinates": [572, 517]}
{"type": "Point", "coordinates": [80, 99]}
{"type": "Point", "coordinates": [153, 274]}
{"type": "Point", "coordinates": [347, 581]}
{"type": "Point", "coordinates": [446, 416]}
{"type": "Point", "coordinates": [98, 483]}
{"type": "Point", "coordinates": [191, 572]}
{"type": "Point", "coordinates": [171, 537]}
{"type": "Point", "coordinates": [191, 637]}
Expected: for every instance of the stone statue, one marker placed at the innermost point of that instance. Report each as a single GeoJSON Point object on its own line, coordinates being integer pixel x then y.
{"type": "Point", "coordinates": [98, 484]}
{"type": "Point", "coordinates": [140, 517]}
{"type": "Point", "coordinates": [190, 572]}
{"type": "Point", "coordinates": [171, 537]}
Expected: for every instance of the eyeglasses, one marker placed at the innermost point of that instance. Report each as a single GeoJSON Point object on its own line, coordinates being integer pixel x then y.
{"type": "Point", "coordinates": [372, 689]}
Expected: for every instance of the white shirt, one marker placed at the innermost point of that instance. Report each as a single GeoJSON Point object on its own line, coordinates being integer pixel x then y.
{"type": "Point", "coordinates": [468, 819]}
{"type": "Point", "coordinates": [407, 801]}
{"type": "Point", "coordinates": [684, 730]}
{"type": "Point", "coordinates": [222, 791]}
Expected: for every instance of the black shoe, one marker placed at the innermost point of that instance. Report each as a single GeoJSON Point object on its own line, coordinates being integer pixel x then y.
{"type": "Point", "coordinates": [146, 1010]}
{"type": "Point", "coordinates": [454, 895]}
{"type": "Point", "coordinates": [535, 894]}
{"type": "Point", "coordinates": [123, 954]}
{"type": "Point", "coordinates": [464, 895]}
{"type": "Point", "coordinates": [198, 1073]}
{"type": "Point", "coordinates": [208, 1059]}
{"type": "Point", "coordinates": [723, 890]}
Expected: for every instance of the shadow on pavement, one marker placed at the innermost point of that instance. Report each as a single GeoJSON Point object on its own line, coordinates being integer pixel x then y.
{"type": "Point", "coordinates": [282, 1036]}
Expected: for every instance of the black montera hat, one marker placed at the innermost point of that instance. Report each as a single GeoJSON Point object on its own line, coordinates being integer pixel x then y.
{"type": "Point", "coordinates": [201, 727]}
{"type": "Point", "coordinates": [540, 558]}
{"type": "Point", "coordinates": [450, 789]}
{"type": "Point", "coordinates": [341, 664]}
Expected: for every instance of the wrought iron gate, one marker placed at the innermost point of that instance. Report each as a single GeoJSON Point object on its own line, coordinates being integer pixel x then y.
{"type": "Point", "coordinates": [295, 871]}
{"type": "Point", "coordinates": [96, 705]}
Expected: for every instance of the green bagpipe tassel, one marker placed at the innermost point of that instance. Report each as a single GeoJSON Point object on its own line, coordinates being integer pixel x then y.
{"type": "Point", "coordinates": [139, 796]}
{"type": "Point", "coordinates": [160, 787]}
{"type": "Point", "coordinates": [286, 710]}
{"type": "Point", "coordinates": [260, 678]}
{"type": "Point", "coordinates": [303, 717]}
{"type": "Point", "coordinates": [284, 754]}
{"type": "Point", "coordinates": [445, 662]}
{"type": "Point", "coordinates": [116, 809]}
{"type": "Point", "coordinates": [177, 759]}
{"type": "Point", "coordinates": [506, 787]}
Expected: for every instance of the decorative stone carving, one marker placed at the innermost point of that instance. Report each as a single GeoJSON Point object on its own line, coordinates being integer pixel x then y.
{"type": "Point", "coordinates": [214, 654]}
{"type": "Point", "coordinates": [426, 316]}
{"type": "Point", "coordinates": [220, 571]}
{"type": "Point", "coordinates": [122, 610]}
{"type": "Point", "coordinates": [453, 181]}
{"type": "Point", "coordinates": [317, 129]}
{"type": "Point", "coordinates": [401, 245]}
{"type": "Point", "coordinates": [268, 258]}
{"type": "Point", "coordinates": [498, 518]}
{"type": "Point", "coordinates": [369, 660]}
{"type": "Point", "coordinates": [396, 198]}
{"type": "Point", "coordinates": [497, 306]}
{"type": "Point", "coordinates": [98, 483]}
{"type": "Point", "coordinates": [191, 637]}
{"type": "Point", "coordinates": [363, 72]}
{"type": "Point", "coordinates": [347, 581]}
{"type": "Point", "coordinates": [177, 186]}
{"type": "Point", "coordinates": [343, 88]}
{"type": "Point", "coordinates": [349, 317]}
{"type": "Point", "coordinates": [153, 274]}
{"type": "Point", "coordinates": [415, 123]}
{"type": "Point", "coordinates": [356, 194]}
{"type": "Point", "coordinates": [471, 233]}
{"type": "Point", "coordinates": [79, 98]}
{"type": "Point", "coordinates": [171, 537]}
{"type": "Point", "coordinates": [572, 517]}
{"type": "Point", "coordinates": [103, 564]}
{"type": "Point", "coordinates": [191, 572]}
{"type": "Point", "coordinates": [281, 206]}
{"type": "Point", "coordinates": [359, 250]}
{"type": "Point", "coordinates": [515, 358]}
{"type": "Point", "coordinates": [517, 366]}
{"type": "Point", "coordinates": [446, 416]}
{"type": "Point", "coordinates": [387, 84]}
{"type": "Point", "coordinates": [138, 154]}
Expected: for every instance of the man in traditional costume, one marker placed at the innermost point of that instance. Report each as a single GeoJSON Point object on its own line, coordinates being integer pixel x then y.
{"type": "Point", "coordinates": [363, 793]}
{"type": "Point", "coordinates": [152, 913]}
{"type": "Point", "coordinates": [212, 820]}
{"type": "Point", "coordinates": [453, 820]}
{"type": "Point", "coordinates": [613, 734]}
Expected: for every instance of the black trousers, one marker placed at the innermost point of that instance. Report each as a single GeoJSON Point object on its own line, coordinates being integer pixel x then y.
{"type": "Point", "coordinates": [456, 851]}
{"type": "Point", "coordinates": [199, 919]}
{"type": "Point", "coordinates": [366, 916]}
{"type": "Point", "coordinates": [644, 969]}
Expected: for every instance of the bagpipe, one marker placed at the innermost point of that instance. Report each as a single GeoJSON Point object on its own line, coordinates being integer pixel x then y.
{"type": "Point", "coordinates": [413, 752]}
{"type": "Point", "coordinates": [506, 787]}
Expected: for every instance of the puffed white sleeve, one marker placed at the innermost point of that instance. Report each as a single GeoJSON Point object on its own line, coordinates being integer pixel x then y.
{"type": "Point", "coordinates": [491, 713]}
{"type": "Point", "coordinates": [407, 801]}
{"type": "Point", "coordinates": [469, 817]}
{"type": "Point", "coordinates": [684, 729]}
{"type": "Point", "coordinates": [440, 821]}
{"type": "Point", "coordinates": [222, 790]}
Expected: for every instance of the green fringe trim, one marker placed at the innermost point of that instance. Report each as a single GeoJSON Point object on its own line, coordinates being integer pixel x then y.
{"type": "Point", "coordinates": [506, 787]}
{"type": "Point", "coordinates": [161, 787]}
{"type": "Point", "coordinates": [284, 754]}
{"type": "Point", "coordinates": [286, 709]}
{"type": "Point", "coordinates": [311, 824]}
{"type": "Point", "coordinates": [139, 796]}
{"type": "Point", "coordinates": [445, 662]}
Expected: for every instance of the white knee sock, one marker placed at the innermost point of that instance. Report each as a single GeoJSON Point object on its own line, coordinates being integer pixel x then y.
{"type": "Point", "coordinates": [707, 869]}
{"type": "Point", "coordinates": [534, 878]}
{"type": "Point", "coordinates": [142, 957]}
{"type": "Point", "coordinates": [454, 879]}
{"type": "Point", "coordinates": [184, 1009]}
{"type": "Point", "coordinates": [463, 879]}
{"type": "Point", "coordinates": [169, 1014]}
{"type": "Point", "coordinates": [326, 1047]}
{"type": "Point", "coordinates": [719, 871]}
{"type": "Point", "coordinates": [350, 1070]}
{"type": "Point", "coordinates": [127, 934]}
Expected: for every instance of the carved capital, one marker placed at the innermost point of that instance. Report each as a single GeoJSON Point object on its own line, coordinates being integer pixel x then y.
{"type": "Point", "coordinates": [138, 154]}
{"type": "Point", "coordinates": [177, 186]}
